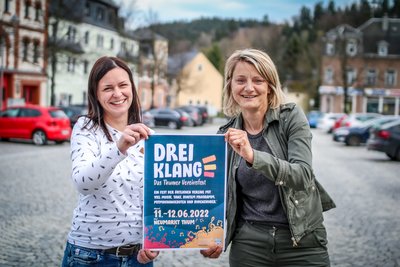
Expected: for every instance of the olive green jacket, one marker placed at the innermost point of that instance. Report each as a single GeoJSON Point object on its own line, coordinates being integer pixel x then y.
{"type": "Point", "coordinates": [288, 135]}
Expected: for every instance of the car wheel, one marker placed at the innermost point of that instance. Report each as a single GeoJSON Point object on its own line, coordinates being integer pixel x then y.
{"type": "Point", "coordinates": [353, 141]}
{"type": "Point", "coordinates": [172, 125]}
{"type": "Point", "coordinates": [39, 138]}
{"type": "Point", "coordinates": [398, 154]}
{"type": "Point", "coordinates": [60, 142]}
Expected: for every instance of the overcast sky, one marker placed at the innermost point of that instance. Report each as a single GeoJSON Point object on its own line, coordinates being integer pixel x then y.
{"type": "Point", "coordinates": [277, 10]}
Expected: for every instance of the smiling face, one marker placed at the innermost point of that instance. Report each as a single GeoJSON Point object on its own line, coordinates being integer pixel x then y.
{"type": "Point", "coordinates": [114, 93]}
{"type": "Point", "coordinates": [249, 89]}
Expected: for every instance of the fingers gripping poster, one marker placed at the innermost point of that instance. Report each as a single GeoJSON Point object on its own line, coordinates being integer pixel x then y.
{"type": "Point", "coordinates": [184, 191]}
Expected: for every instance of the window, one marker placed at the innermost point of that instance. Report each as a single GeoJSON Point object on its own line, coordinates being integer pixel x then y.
{"type": "Point", "coordinates": [36, 44]}
{"type": "Point", "coordinates": [330, 49]}
{"type": "Point", "coordinates": [351, 47]}
{"type": "Point", "coordinates": [71, 64]}
{"type": "Point", "coordinates": [38, 11]}
{"type": "Point", "coordinates": [111, 44]}
{"type": "Point", "coordinates": [87, 37]}
{"type": "Point", "coordinates": [85, 66]}
{"type": "Point", "coordinates": [100, 41]}
{"type": "Point", "coordinates": [71, 34]}
{"type": "Point", "coordinates": [200, 67]}
{"type": "Point", "coordinates": [27, 7]}
{"type": "Point", "coordinates": [28, 112]}
{"type": "Point", "coordinates": [87, 9]}
{"type": "Point", "coordinates": [383, 48]}
{"type": "Point", "coordinates": [100, 14]}
{"type": "Point", "coordinates": [351, 76]}
{"type": "Point", "coordinates": [390, 78]}
{"type": "Point", "coordinates": [123, 46]}
{"type": "Point", "coordinates": [328, 76]}
{"type": "Point", "coordinates": [371, 77]}
{"type": "Point", "coordinates": [25, 48]}
{"type": "Point", "coordinates": [7, 6]}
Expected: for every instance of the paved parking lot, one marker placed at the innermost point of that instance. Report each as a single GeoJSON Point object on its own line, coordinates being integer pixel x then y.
{"type": "Point", "coordinates": [37, 199]}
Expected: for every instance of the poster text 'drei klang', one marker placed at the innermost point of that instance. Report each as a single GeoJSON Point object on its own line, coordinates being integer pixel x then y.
{"type": "Point", "coordinates": [184, 191]}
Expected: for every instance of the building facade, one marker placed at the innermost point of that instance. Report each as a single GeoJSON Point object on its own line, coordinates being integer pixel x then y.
{"type": "Point", "coordinates": [195, 81]}
{"type": "Point", "coordinates": [79, 33]}
{"type": "Point", "coordinates": [23, 42]}
{"type": "Point", "coordinates": [363, 64]}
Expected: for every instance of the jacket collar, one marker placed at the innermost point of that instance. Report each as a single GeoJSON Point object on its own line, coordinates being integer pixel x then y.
{"type": "Point", "coordinates": [272, 115]}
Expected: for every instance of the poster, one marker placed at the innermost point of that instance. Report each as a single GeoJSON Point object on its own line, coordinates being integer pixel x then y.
{"type": "Point", "coordinates": [184, 191]}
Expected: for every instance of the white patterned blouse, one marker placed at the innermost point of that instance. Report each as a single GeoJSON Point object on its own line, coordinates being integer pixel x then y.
{"type": "Point", "coordinates": [110, 186]}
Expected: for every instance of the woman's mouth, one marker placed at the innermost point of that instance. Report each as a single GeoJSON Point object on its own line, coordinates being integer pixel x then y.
{"type": "Point", "coordinates": [119, 102]}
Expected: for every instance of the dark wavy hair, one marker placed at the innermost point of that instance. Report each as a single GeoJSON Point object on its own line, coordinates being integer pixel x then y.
{"type": "Point", "coordinates": [95, 110]}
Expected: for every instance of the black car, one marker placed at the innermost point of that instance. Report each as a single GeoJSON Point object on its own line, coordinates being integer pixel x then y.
{"type": "Point", "coordinates": [167, 117]}
{"type": "Point", "coordinates": [354, 136]}
{"type": "Point", "coordinates": [195, 114]}
{"type": "Point", "coordinates": [74, 112]}
{"type": "Point", "coordinates": [204, 113]}
{"type": "Point", "coordinates": [386, 139]}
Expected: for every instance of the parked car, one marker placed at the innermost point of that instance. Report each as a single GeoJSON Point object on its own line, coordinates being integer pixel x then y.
{"type": "Point", "coordinates": [356, 119]}
{"type": "Point", "coordinates": [204, 113]}
{"type": "Point", "coordinates": [40, 124]}
{"type": "Point", "coordinates": [338, 122]}
{"type": "Point", "coordinates": [195, 114]}
{"type": "Point", "coordinates": [354, 136]}
{"type": "Point", "coordinates": [313, 117]}
{"type": "Point", "coordinates": [184, 114]}
{"type": "Point", "coordinates": [327, 121]}
{"type": "Point", "coordinates": [148, 119]}
{"type": "Point", "coordinates": [386, 139]}
{"type": "Point", "coordinates": [168, 117]}
{"type": "Point", "coordinates": [74, 112]}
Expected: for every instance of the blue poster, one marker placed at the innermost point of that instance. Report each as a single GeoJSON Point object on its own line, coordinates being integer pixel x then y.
{"type": "Point", "coordinates": [184, 191]}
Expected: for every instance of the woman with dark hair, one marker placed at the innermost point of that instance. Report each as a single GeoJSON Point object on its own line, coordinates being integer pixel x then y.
{"type": "Point", "coordinates": [107, 170]}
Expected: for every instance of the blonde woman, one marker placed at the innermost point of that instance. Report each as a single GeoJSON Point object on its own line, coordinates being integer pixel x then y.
{"type": "Point", "coordinates": [275, 204]}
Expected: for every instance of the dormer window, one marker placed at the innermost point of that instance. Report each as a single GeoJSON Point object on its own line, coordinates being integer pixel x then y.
{"type": "Point", "coordinates": [330, 49]}
{"type": "Point", "coordinates": [383, 48]}
{"type": "Point", "coordinates": [351, 47]}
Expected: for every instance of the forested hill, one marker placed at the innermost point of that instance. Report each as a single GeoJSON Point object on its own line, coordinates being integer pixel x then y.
{"type": "Point", "coordinates": [294, 45]}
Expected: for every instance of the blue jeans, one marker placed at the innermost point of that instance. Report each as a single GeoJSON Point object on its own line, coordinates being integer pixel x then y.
{"type": "Point", "coordinates": [76, 256]}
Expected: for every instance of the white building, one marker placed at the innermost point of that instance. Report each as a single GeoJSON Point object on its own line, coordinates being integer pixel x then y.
{"type": "Point", "coordinates": [81, 32]}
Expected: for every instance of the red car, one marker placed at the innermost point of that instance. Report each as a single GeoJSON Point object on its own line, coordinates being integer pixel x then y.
{"type": "Point", "coordinates": [40, 124]}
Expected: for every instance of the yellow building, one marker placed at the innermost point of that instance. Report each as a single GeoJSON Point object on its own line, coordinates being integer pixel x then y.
{"type": "Point", "coordinates": [194, 80]}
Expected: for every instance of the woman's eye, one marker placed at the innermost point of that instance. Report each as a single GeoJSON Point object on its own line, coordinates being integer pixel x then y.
{"type": "Point", "coordinates": [258, 81]}
{"type": "Point", "coordinates": [240, 81]}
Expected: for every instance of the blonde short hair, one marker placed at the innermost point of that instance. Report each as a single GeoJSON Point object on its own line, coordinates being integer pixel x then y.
{"type": "Point", "coordinates": [266, 68]}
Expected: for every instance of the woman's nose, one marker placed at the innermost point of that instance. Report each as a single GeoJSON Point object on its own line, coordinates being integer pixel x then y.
{"type": "Point", "coordinates": [249, 86]}
{"type": "Point", "coordinates": [117, 91]}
